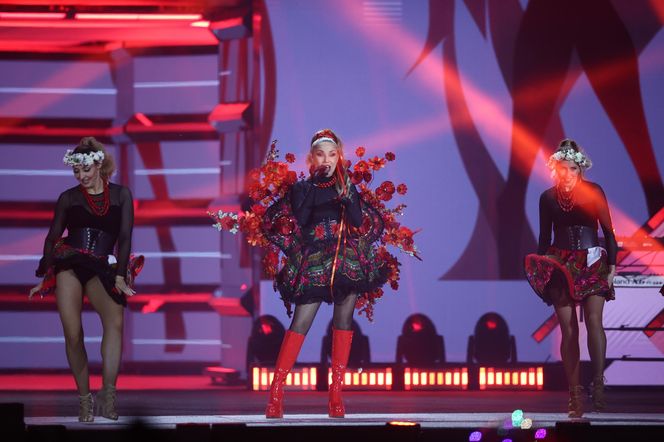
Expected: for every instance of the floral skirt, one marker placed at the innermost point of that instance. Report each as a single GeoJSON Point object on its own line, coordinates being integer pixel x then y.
{"type": "Point", "coordinates": [312, 274]}
{"type": "Point", "coordinates": [574, 276]}
{"type": "Point", "coordinates": [84, 262]}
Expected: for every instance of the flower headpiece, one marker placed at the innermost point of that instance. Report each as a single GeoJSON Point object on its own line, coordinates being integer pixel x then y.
{"type": "Point", "coordinates": [569, 155]}
{"type": "Point", "coordinates": [82, 159]}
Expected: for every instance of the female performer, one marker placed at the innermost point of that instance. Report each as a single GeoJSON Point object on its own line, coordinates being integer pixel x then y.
{"type": "Point", "coordinates": [332, 266]}
{"type": "Point", "coordinates": [96, 214]}
{"type": "Point", "coordinates": [575, 269]}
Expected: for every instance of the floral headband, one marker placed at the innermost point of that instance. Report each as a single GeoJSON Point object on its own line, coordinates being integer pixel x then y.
{"type": "Point", "coordinates": [82, 159]}
{"type": "Point", "coordinates": [569, 155]}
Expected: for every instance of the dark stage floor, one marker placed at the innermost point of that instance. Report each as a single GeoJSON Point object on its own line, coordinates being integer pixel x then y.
{"type": "Point", "coordinates": [53, 395]}
{"type": "Point", "coordinates": [165, 401]}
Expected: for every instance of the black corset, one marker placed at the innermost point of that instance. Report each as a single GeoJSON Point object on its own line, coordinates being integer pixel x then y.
{"type": "Point", "coordinates": [575, 237]}
{"type": "Point", "coordinates": [95, 241]}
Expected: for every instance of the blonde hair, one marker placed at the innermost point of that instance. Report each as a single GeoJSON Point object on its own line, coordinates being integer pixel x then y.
{"type": "Point", "coordinates": [343, 178]}
{"type": "Point", "coordinates": [90, 144]}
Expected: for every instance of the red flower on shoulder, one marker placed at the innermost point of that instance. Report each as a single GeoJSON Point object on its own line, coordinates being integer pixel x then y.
{"type": "Point", "coordinates": [361, 166]}
{"type": "Point", "coordinates": [357, 177]}
{"type": "Point", "coordinates": [388, 187]}
{"type": "Point", "coordinates": [376, 163]}
{"type": "Point", "coordinates": [258, 209]}
{"type": "Point", "coordinates": [227, 223]}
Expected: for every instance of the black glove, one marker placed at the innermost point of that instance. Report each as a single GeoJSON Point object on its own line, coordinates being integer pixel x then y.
{"type": "Point", "coordinates": [319, 175]}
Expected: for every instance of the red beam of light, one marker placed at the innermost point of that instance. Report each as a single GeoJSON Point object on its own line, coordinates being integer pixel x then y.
{"type": "Point", "coordinates": [120, 16]}
{"type": "Point", "coordinates": [32, 15]}
{"type": "Point", "coordinates": [403, 46]}
{"type": "Point", "coordinates": [545, 329]}
{"type": "Point", "coordinates": [140, 116]}
{"type": "Point", "coordinates": [658, 7]}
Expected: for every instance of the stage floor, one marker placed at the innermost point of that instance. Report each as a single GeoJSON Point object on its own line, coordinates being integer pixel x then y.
{"type": "Point", "coordinates": [164, 401]}
{"type": "Point", "coordinates": [425, 420]}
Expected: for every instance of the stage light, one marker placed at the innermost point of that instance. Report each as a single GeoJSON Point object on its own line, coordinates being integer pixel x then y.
{"type": "Point", "coordinates": [265, 341]}
{"type": "Point", "coordinates": [491, 343]}
{"type": "Point", "coordinates": [475, 436]}
{"type": "Point", "coordinates": [419, 344]}
{"type": "Point", "coordinates": [526, 424]}
{"type": "Point", "coordinates": [540, 433]}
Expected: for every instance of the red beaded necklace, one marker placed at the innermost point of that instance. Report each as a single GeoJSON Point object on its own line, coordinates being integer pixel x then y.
{"type": "Point", "coordinates": [326, 184]}
{"type": "Point", "coordinates": [565, 199]}
{"type": "Point", "coordinates": [98, 209]}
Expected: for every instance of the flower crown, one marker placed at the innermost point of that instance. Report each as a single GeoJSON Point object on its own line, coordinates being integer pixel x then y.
{"type": "Point", "coordinates": [82, 159]}
{"type": "Point", "coordinates": [569, 155]}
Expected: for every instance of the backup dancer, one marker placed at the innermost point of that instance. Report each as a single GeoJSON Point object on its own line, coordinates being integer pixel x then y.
{"type": "Point", "coordinates": [97, 214]}
{"type": "Point", "coordinates": [574, 269]}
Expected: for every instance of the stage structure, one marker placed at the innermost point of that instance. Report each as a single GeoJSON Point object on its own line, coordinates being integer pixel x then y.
{"type": "Point", "coordinates": [236, 113]}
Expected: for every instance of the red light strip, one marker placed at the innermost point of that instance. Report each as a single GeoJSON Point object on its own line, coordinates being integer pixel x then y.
{"type": "Point", "coordinates": [531, 378]}
{"type": "Point", "coordinates": [33, 15]}
{"type": "Point", "coordinates": [106, 16]}
{"type": "Point", "coordinates": [300, 378]}
{"type": "Point", "coordinates": [422, 379]}
{"type": "Point", "coordinates": [366, 379]}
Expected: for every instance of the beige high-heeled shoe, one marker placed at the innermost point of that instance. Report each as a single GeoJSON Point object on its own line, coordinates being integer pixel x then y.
{"type": "Point", "coordinates": [85, 408]}
{"type": "Point", "coordinates": [597, 393]}
{"type": "Point", "coordinates": [105, 403]}
{"type": "Point", "coordinates": [575, 406]}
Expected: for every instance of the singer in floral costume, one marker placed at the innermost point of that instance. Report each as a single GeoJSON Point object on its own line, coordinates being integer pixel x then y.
{"type": "Point", "coordinates": [331, 231]}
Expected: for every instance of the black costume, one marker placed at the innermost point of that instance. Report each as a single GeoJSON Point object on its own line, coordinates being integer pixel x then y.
{"type": "Point", "coordinates": [91, 238]}
{"type": "Point", "coordinates": [575, 250]}
{"type": "Point", "coordinates": [331, 253]}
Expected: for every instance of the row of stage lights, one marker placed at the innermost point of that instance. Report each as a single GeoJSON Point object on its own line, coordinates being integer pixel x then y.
{"type": "Point", "coordinates": [409, 378]}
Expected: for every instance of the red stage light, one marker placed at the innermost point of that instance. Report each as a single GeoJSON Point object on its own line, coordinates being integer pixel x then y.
{"type": "Point", "coordinates": [416, 326]}
{"type": "Point", "coordinates": [266, 328]}
{"type": "Point", "coordinates": [491, 324]}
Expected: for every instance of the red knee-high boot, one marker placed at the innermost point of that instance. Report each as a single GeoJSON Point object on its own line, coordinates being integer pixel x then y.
{"type": "Point", "coordinates": [290, 348]}
{"type": "Point", "coordinates": [341, 341]}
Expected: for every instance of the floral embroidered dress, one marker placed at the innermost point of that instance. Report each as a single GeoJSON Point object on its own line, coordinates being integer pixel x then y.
{"type": "Point", "coordinates": [90, 239]}
{"type": "Point", "coordinates": [317, 245]}
{"type": "Point", "coordinates": [574, 262]}
{"type": "Point", "coordinates": [331, 253]}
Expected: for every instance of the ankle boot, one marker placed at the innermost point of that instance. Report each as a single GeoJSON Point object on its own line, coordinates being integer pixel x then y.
{"type": "Point", "coordinates": [575, 405]}
{"type": "Point", "coordinates": [85, 408]}
{"type": "Point", "coordinates": [105, 402]}
{"type": "Point", "coordinates": [597, 393]}
{"type": "Point", "coordinates": [341, 342]}
{"type": "Point", "coordinates": [290, 348]}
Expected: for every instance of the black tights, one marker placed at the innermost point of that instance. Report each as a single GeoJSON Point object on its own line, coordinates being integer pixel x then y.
{"type": "Point", "coordinates": [593, 307]}
{"type": "Point", "coordinates": [342, 318]}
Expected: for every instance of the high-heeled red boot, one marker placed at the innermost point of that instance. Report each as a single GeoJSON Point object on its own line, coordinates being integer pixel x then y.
{"type": "Point", "coordinates": [341, 341]}
{"type": "Point", "coordinates": [290, 348]}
